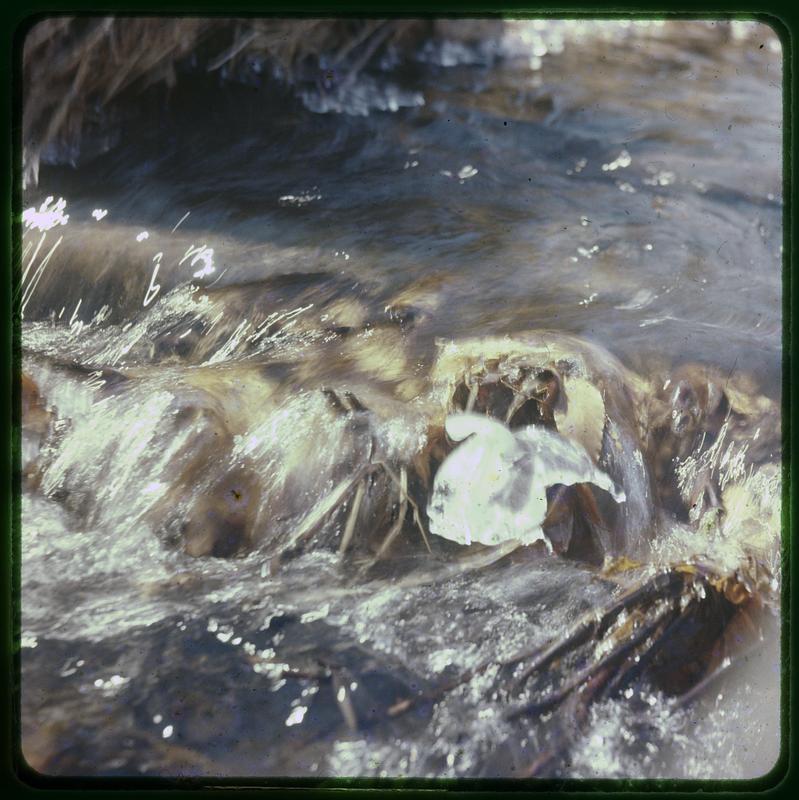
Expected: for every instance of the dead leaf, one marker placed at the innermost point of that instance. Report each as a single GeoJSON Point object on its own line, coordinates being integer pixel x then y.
{"type": "Point", "coordinates": [617, 566]}
{"type": "Point", "coordinates": [580, 414]}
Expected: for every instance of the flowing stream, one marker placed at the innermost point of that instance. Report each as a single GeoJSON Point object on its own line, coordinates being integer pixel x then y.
{"type": "Point", "coordinates": [616, 182]}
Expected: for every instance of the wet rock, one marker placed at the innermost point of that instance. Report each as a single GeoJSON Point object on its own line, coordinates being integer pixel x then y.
{"type": "Point", "coordinates": [36, 421]}
{"type": "Point", "coordinates": [222, 520]}
{"type": "Point", "coordinates": [690, 410]}
{"type": "Point", "coordinates": [575, 388]}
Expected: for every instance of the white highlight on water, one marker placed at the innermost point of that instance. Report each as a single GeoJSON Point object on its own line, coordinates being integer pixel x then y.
{"type": "Point", "coordinates": [621, 161]}
{"type": "Point", "coordinates": [45, 217]}
{"type": "Point", "coordinates": [180, 221]}
{"type": "Point", "coordinates": [202, 254]}
{"type": "Point", "coordinates": [153, 288]}
{"type": "Point", "coordinates": [296, 716]}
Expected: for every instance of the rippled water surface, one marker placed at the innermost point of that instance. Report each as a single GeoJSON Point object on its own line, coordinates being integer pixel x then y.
{"type": "Point", "coordinates": [621, 183]}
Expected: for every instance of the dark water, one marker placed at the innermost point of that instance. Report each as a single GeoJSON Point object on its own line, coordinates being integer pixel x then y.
{"type": "Point", "coordinates": [618, 183]}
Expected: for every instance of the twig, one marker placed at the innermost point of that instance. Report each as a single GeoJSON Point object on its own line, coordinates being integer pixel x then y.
{"type": "Point", "coordinates": [404, 494]}
{"type": "Point", "coordinates": [232, 51]}
{"type": "Point", "coordinates": [369, 27]}
{"type": "Point", "coordinates": [344, 703]}
{"type": "Point", "coordinates": [593, 623]}
{"type": "Point", "coordinates": [395, 528]}
{"type": "Point", "coordinates": [317, 516]}
{"type": "Point", "coordinates": [382, 32]}
{"type": "Point", "coordinates": [589, 672]}
{"type": "Point", "coordinates": [352, 519]}
{"type": "Point", "coordinates": [473, 390]}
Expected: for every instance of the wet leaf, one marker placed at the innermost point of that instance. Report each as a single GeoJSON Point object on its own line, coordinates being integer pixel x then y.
{"type": "Point", "coordinates": [734, 590]}
{"type": "Point", "coordinates": [580, 415]}
{"type": "Point", "coordinates": [492, 488]}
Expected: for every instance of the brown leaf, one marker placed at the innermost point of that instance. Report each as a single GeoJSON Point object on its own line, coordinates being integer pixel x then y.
{"type": "Point", "coordinates": [617, 566]}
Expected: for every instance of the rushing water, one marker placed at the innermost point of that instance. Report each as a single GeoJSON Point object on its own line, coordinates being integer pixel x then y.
{"type": "Point", "coordinates": [617, 182]}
